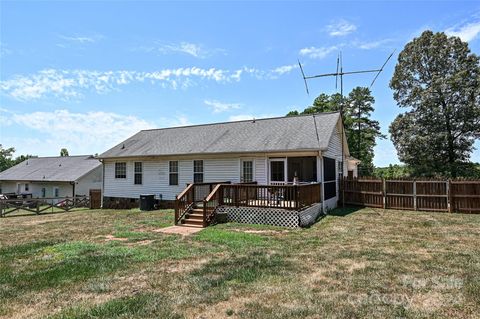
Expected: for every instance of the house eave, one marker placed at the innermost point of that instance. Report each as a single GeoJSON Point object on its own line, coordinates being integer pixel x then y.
{"type": "Point", "coordinates": [269, 152]}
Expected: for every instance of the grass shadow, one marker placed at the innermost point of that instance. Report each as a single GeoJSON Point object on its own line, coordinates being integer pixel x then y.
{"type": "Point", "coordinates": [344, 211]}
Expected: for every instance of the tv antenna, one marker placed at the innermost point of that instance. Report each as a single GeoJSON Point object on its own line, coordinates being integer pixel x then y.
{"type": "Point", "coordinates": [340, 73]}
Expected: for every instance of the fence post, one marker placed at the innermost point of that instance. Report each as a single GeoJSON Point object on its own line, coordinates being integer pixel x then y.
{"type": "Point", "coordinates": [384, 191]}
{"type": "Point", "coordinates": [449, 195]}
{"type": "Point", "coordinates": [38, 207]}
{"type": "Point", "coordinates": [414, 194]}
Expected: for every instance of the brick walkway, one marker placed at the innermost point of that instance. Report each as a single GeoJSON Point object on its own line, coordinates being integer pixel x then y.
{"type": "Point", "coordinates": [180, 230]}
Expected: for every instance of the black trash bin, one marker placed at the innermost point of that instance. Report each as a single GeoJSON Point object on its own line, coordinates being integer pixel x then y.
{"type": "Point", "coordinates": [147, 202]}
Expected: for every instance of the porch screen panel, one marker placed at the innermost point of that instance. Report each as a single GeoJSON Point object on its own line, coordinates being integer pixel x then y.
{"type": "Point", "coordinates": [330, 183]}
{"type": "Point", "coordinates": [305, 167]}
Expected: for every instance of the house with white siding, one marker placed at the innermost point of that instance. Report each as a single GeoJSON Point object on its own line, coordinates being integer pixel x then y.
{"type": "Point", "coordinates": [51, 177]}
{"type": "Point", "coordinates": [281, 151]}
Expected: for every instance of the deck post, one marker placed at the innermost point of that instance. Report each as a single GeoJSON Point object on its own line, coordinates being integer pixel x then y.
{"type": "Point", "coordinates": [295, 196]}
{"type": "Point", "coordinates": [236, 197]}
{"type": "Point", "coordinates": [176, 209]}
{"type": "Point", "coordinates": [220, 195]}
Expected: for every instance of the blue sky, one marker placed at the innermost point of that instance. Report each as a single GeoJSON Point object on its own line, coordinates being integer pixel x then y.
{"type": "Point", "coordinates": [86, 75]}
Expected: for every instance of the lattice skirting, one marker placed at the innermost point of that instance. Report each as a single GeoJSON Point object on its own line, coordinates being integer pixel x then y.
{"type": "Point", "coordinates": [309, 216]}
{"type": "Point", "coordinates": [272, 216]}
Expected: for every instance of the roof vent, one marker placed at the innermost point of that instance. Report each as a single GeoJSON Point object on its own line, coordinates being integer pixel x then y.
{"type": "Point", "coordinates": [253, 120]}
{"type": "Point", "coordinates": [59, 164]}
{"type": "Point", "coordinates": [123, 146]}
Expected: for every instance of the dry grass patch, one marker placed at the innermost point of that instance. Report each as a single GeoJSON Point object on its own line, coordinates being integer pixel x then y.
{"type": "Point", "coordinates": [353, 264]}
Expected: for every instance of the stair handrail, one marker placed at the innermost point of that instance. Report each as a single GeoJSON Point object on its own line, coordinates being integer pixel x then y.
{"type": "Point", "coordinates": [208, 209]}
{"type": "Point", "coordinates": [183, 198]}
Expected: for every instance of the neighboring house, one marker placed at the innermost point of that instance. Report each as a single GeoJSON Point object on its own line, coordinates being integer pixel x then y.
{"type": "Point", "coordinates": [47, 177]}
{"type": "Point", "coordinates": [268, 151]}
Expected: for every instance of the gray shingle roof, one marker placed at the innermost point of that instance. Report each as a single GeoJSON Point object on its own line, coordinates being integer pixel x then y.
{"type": "Point", "coordinates": [305, 132]}
{"type": "Point", "coordinates": [59, 169]}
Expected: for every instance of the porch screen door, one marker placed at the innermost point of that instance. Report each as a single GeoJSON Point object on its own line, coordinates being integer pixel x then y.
{"type": "Point", "coordinates": [277, 171]}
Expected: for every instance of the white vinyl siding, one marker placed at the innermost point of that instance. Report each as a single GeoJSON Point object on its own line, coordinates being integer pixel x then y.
{"type": "Point", "coordinates": [261, 170]}
{"type": "Point", "coordinates": [156, 176]}
{"type": "Point", "coordinates": [92, 180]}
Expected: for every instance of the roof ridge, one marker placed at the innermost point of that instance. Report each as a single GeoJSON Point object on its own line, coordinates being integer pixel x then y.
{"type": "Point", "coordinates": [241, 121]}
{"type": "Point", "coordinates": [38, 157]}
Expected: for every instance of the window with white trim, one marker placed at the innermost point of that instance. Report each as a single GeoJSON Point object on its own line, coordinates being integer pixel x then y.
{"type": "Point", "coordinates": [121, 170]}
{"type": "Point", "coordinates": [173, 173]}
{"type": "Point", "coordinates": [27, 187]}
{"type": "Point", "coordinates": [44, 192]}
{"type": "Point", "coordinates": [56, 192]}
{"type": "Point", "coordinates": [247, 172]}
{"type": "Point", "coordinates": [138, 173]}
{"type": "Point", "coordinates": [198, 171]}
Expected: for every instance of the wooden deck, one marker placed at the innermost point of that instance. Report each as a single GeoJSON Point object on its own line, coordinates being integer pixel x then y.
{"type": "Point", "coordinates": [202, 209]}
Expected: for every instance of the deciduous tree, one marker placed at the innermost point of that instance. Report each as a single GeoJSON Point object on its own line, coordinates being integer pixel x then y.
{"type": "Point", "coordinates": [438, 79]}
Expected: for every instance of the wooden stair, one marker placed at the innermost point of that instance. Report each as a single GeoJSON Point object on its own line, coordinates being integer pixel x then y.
{"type": "Point", "coordinates": [194, 218]}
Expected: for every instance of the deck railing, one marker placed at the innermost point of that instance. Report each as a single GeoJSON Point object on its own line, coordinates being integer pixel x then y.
{"type": "Point", "coordinates": [291, 197]}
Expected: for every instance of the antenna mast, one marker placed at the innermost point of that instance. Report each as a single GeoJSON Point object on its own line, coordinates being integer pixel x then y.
{"type": "Point", "coordinates": [341, 74]}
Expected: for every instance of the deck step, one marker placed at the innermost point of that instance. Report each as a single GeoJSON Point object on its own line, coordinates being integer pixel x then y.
{"type": "Point", "coordinates": [197, 210]}
{"type": "Point", "coordinates": [194, 217]}
{"type": "Point", "coordinates": [188, 221]}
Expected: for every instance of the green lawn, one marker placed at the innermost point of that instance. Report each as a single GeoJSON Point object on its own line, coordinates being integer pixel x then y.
{"type": "Point", "coordinates": [352, 264]}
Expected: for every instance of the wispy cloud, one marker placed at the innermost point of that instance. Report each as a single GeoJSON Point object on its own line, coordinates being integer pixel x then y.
{"type": "Point", "coordinates": [317, 53]}
{"type": "Point", "coordinates": [340, 28]}
{"type": "Point", "coordinates": [368, 45]}
{"type": "Point", "coordinates": [81, 39]}
{"type": "Point", "coordinates": [466, 32]}
{"type": "Point", "coordinates": [68, 84]}
{"type": "Point", "coordinates": [284, 69]}
{"type": "Point", "coordinates": [81, 133]}
{"type": "Point", "coordinates": [219, 107]}
{"type": "Point", "coordinates": [4, 50]}
{"type": "Point", "coordinates": [194, 49]}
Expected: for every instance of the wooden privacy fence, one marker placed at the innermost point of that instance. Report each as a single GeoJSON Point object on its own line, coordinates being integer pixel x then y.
{"type": "Point", "coordinates": [458, 196]}
{"type": "Point", "coordinates": [42, 205]}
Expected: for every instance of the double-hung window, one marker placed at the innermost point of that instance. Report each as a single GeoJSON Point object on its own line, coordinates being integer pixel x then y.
{"type": "Point", "coordinates": [138, 171]}
{"type": "Point", "coordinates": [247, 171]}
{"type": "Point", "coordinates": [173, 172]}
{"type": "Point", "coordinates": [121, 170]}
{"type": "Point", "coordinates": [198, 171]}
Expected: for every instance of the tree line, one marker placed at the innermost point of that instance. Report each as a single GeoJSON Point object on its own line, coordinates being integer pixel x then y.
{"type": "Point", "coordinates": [437, 81]}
